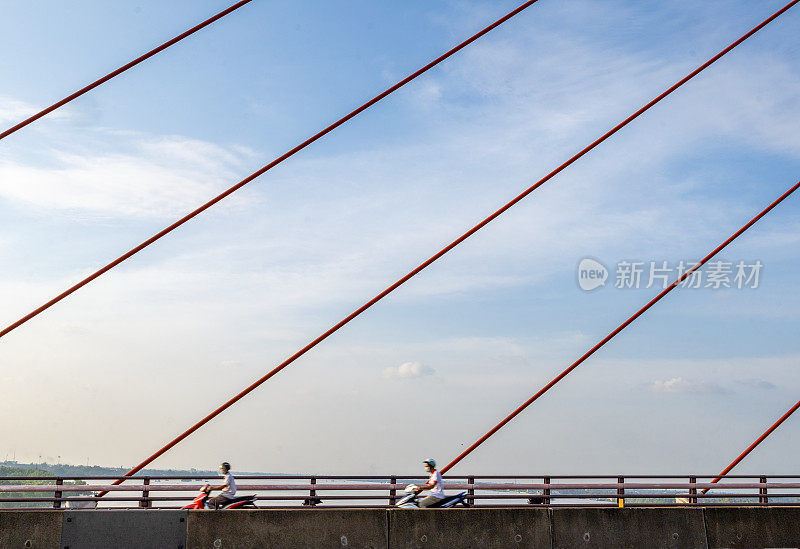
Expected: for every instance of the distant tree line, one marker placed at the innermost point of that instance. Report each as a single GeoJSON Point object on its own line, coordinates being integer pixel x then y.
{"type": "Point", "coordinates": [6, 471]}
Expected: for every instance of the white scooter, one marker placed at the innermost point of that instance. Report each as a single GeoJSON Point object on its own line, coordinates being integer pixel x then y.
{"type": "Point", "coordinates": [410, 501]}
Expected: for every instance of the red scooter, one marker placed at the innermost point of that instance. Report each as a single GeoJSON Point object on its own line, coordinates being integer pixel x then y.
{"type": "Point", "coordinates": [200, 502]}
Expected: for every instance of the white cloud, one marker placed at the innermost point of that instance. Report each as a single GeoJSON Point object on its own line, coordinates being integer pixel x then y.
{"type": "Point", "coordinates": [143, 178]}
{"type": "Point", "coordinates": [13, 111]}
{"type": "Point", "coordinates": [681, 385]}
{"type": "Point", "coordinates": [761, 112]}
{"type": "Point", "coordinates": [408, 370]}
{"type": "Point", "coordinates": [426, 94]}
{"type": "Point", "coordinates": [756, 383]}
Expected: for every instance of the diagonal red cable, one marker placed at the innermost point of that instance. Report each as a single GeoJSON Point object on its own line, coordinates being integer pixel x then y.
{"type": "Point", "coordinates": [123, 68]}
{"type": "Point", "coordinates": [617, 330]}
{"type": "Point", "coordinates": [447, 248]}
{"type": "Point", "coordinates": [265, 169]}
{"type": "Point", "coordinates": [752, 447]}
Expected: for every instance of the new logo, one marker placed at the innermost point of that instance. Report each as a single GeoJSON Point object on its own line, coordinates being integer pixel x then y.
{"type": "Point", "coordinates": [591, 274]}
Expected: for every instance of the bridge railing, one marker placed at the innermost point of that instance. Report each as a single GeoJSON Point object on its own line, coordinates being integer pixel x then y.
{"type": "Point", "coordinates": [381, 491]}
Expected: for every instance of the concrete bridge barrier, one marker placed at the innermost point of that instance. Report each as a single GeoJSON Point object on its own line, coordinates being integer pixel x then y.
{"type": "Point", "coordinates": [143, 529]}
{"type": "Point", "coordinates": [628, 527]}
{"type": "Point", "coordinates": [448, 528]}
{"type": "Point", "coordinates": [30, 529]}
{"type": "Point", "coordinates": [521, 527]}
{"type": "Point", "coordinates": [277, 528]}
{"type": "Point", "coordinates": [753, 526]}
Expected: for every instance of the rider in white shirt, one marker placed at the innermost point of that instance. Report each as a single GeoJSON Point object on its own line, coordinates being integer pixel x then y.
{"type": "Point", "coordinates": [228, 487]}
{"type": "Point", "coordinates": [434, 484]}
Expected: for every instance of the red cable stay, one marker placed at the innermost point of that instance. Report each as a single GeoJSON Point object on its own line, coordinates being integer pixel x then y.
{"type": "Point", "coordinates": [619, 328]}
{"type": "Point", "coordinates": [447, 248]}
{"type": "Point", "coordinates": [265, 169]}
{"type": "Point", "coordinates": [122, 69]}
{"type": "Point", "coordinates": [752, 447]}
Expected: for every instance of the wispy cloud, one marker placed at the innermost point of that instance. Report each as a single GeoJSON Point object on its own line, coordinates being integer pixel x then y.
{"type": "Point", "coordinates": [756, 383]}
{"type": "Point", "coordinates": [155, 178]}
{"type": "Point", "coordinates": [681, 385]}
{"type": "Point", "coordinates": [13, 111]}
{"type": "Point", "coordinates": [685, 385]}
{"type": "Point", "coordinates": [407, 370]}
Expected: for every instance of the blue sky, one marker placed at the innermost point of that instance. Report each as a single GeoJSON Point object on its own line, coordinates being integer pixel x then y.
{"type": "Point", "coordinates": [130, 361]}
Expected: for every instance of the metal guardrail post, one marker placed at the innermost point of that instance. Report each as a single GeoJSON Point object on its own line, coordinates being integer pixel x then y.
{"type": "Point", "coordinates": [762, 492]}
{"type": "Point", "coordinates": [546, 491]}
{"type": "Point", "coordinates": [621, 492]}
{"type": "Point", "coordinates": [312, 502]}
{"type": "Point", "coordinates": [57, 495]}
{"type": "Point", "coordinates": [392, 491]}
{"type": "Point", "coordinates": [692, 491]}
{"type": "Point", "coordinates": [145, 494]}
{"type": "Point", "coordinates": [471, 491]}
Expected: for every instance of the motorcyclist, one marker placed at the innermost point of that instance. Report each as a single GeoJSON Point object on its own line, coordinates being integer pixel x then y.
{"type": "Point", "coordinates": [434, 484]}
{"type": "Point", "coordinates": [228, 487]}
